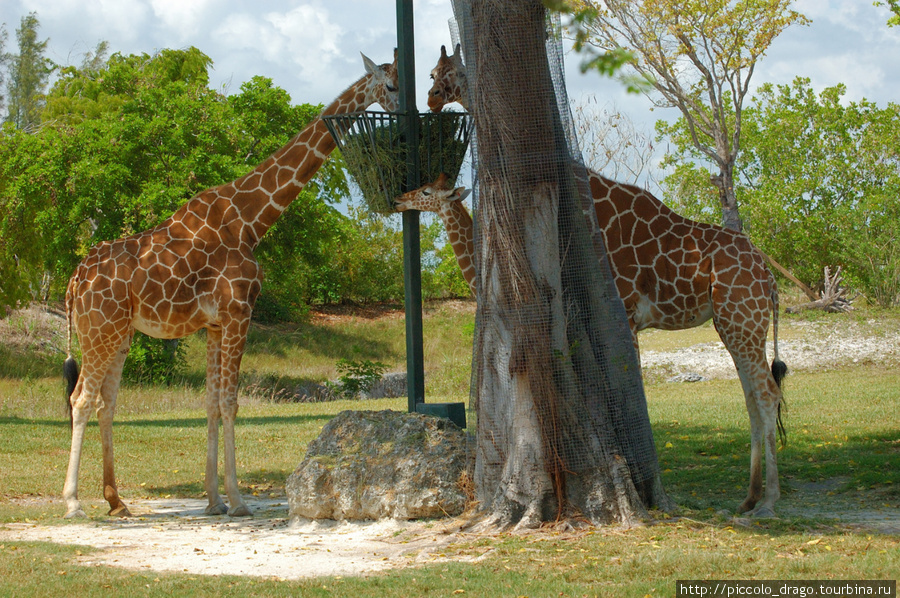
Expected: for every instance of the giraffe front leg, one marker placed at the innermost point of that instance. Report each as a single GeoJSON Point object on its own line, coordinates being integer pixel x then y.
{"type": "Point", "coordinates": [238, 507]}
{"type": "Point", "coordinates": [216, 505]}
{"type": "Point", "coordinates": [232, 350]}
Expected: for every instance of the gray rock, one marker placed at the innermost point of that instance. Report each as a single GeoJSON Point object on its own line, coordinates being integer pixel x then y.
{"type": "Point", "coordinates": [687, 377]}
{"type": "Point", "coordinates": [384, 464]}
{"type": "Point", "coordinates": [388, 386]}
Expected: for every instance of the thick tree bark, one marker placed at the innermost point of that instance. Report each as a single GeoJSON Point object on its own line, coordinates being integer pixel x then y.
{"type": "Point", "coordinates": [561, 433]}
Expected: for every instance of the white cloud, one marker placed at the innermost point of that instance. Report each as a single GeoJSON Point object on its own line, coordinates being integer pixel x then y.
{"type": "Point", "coordinates": [303, 39]}
{"type": "Point", "coordinates": [77, 26]}
{"type": "Point", "coordinates": [181, 19]}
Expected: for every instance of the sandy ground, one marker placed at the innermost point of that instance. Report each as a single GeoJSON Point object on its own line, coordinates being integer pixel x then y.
{"type": "Point", "coordinates": [174, 535]}
{"type": "Point", "coordinates": [824, 346]}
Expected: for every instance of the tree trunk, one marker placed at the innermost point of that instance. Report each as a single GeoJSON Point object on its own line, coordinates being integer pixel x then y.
{"type": "Point", "coordinates": [724, 182]}
{"type": "Point", "coordinates": [563, 429]}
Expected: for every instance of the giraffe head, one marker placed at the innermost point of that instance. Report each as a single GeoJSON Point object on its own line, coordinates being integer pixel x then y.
{"type": "Point", "coordinates": [383, 86]}
{"type": "Point", "coordinates": [432, 197]}
{"type": "Point", "coordinates": [449, 78]}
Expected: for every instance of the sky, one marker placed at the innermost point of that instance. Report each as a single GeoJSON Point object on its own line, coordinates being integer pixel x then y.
{"type": "Point", "coordinates": [311, 48]}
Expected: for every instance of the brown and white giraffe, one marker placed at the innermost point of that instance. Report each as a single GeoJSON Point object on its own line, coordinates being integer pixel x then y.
{"type": "Point", "coordinates": [671, 273]}
{"type": "Point", "coordinates": [195, 270]}
{"type": "Point", "coordinates": [446, 202]}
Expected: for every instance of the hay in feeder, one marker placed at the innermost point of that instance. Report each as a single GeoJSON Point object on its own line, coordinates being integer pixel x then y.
{"type": "Point", "coordinates": [375, 150]}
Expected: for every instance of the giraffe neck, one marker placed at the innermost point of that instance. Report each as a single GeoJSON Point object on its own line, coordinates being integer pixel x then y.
{"type": "Point", "coordinates": [461, 233]}
{"type": "Point", "coordinates": [262, 195]}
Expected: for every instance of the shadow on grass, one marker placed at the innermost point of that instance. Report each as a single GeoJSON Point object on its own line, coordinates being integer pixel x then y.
{"type": "Point", "coordinates": [709, 468]}
{"type": "Point", "coordinates": [192, 422]}
{"type": "Point", "coordinates": [320, 339]}
{"type": "Point", "coordinates": [277, 340]}
{"type": "Point", "coordinates": [261, 482]}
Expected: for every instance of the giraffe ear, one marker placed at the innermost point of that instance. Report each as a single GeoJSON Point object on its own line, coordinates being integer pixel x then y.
{"type": "Point", "coordinates": [460, 193]}
{"type": "Point", "coordinates": [369, 64]}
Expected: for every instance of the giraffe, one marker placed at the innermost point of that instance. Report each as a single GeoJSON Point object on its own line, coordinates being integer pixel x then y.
{"type": "Point", "coordinates": [446, 201]}
{"type": "Point", "coordinates": [194, 271]}
{"type": "Point", "coordinates": [672, 273]}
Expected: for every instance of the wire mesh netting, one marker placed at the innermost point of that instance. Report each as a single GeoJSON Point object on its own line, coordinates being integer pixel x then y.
{"type": "Point", "coordinates": [594, 398]}
{"type": "Point", "coordinates": [375, 146]}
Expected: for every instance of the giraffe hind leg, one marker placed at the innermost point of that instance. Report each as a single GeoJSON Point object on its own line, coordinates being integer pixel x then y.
{"type": "Point", "coordinates": [763, 398]}
{"type": "Point", "coordinates": [105, 415]}
{"type": "Point", "coordinates": [745, 338]}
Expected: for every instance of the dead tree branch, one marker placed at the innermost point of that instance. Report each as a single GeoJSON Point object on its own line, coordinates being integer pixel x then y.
{"type": "Point", "coordinates": [832, 299]}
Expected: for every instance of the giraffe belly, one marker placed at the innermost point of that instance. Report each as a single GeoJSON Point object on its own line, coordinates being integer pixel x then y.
{"type": "Point", "coordinates": [669, 315]}
{"type": "Point", "coordinates": [175, 327]}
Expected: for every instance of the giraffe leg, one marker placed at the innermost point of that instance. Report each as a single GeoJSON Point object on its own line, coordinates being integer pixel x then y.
{"type": "Point", "coordinates": [85, 398]}
{"type": "Point", "coordinates": [232, 351]}
{"type": "Point", "coordinates": [105, 415]}
{"type": "Point", "coordinates": [213, 385]}
{"type": "Point", "coordinates": [755, 490]}
{"type": "Point", "coordinates": [741, 317]}
{"type": "Point", "coordinates": [81, 413]}
{"type": "Point", "coordinates": [768, 396]}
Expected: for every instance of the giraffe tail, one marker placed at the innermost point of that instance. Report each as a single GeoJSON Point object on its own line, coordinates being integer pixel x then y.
{"type": "Point", "coordinates": [779, 368]}
{"type": "Point", "coordinates": [70, 366]}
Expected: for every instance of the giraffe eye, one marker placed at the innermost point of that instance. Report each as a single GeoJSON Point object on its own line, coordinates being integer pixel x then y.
{"type": "Point", "coordinates": [391, 88]}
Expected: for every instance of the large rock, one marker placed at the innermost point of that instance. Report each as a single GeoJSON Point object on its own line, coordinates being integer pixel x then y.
{"type": "Point", "coordinates": [378, 464]}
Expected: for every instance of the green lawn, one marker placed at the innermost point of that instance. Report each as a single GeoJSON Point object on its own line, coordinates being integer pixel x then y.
{"type": "Point", "coordinates": [842, 456]}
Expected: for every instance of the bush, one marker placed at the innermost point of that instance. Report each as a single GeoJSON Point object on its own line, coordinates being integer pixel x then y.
{"type": "Point", "coordinates": [358, 376]}
{"type": "Point", "coordinates": [154, 360]}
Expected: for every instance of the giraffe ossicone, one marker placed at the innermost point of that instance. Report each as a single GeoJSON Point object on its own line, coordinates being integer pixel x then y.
{"type": "Point", "coordinates": [193, 271]}
{"type": "Point", "coordinates": [671, 273]}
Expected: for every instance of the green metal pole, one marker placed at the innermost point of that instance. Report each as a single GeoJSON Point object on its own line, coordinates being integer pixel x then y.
{"type": "Point", "coordinates": [412, 256]}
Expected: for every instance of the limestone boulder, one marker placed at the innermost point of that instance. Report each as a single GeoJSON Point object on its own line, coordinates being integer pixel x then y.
{"type": "Point", "coordinates": [381, 464]}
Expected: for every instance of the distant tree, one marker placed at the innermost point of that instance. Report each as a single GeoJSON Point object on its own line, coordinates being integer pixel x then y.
{"type": "Point", "coordinates": [612, 144]}
{"type": "Point", "coordinates": [29, 72]}
{"type": "Point", "coordinates": [3, 60]}
{"type": "Point", "coordinates": [699, 56]}
{"type": "Point", "coordinates": [818, 180]}
{"type": "Point", "coordinates": [127, 142]}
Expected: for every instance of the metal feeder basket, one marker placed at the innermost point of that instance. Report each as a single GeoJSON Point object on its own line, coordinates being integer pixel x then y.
{"type": "Point", "coordinates": [374, 146]}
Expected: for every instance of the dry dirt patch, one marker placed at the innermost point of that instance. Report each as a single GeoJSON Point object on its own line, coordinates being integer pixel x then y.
{"type": "Point", "coordinates": [173, 535]}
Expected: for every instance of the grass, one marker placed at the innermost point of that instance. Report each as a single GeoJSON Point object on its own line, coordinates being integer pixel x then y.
{"type": "Point", "coordinates": [843, 452]}
{"type": "Point", "coordinates": [643, 562]}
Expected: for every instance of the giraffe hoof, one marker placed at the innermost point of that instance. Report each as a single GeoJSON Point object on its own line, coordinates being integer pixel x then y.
{"type": "Point", "coordinates": [216, 509]}
{"type": "Point", "coordinates": [746, 507]}
{"type": "Point", "coordinates": [120, 511]}
{"type": "Point", "coordinates": [240, 511]}
{"type": "Point", "coordinates": [763, 513]}
{"type": "Point", "coordinates": [75, 514]}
